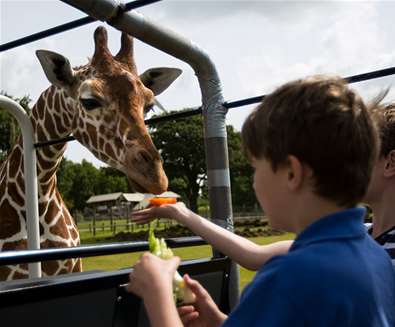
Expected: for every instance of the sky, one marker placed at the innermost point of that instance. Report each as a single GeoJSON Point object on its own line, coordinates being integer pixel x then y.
{"type": "Point", "coordinates": [255, 45]}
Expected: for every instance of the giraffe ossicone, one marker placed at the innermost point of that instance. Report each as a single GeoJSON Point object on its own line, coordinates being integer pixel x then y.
{"type": "Point", "coordinates": [102, 104]}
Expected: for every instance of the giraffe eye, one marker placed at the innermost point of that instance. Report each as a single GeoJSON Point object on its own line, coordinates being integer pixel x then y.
{"type": "Point", "coordinates": [90, 103]}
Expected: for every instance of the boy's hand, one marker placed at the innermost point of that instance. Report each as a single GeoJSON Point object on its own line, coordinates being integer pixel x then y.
{"type": "Point", "coordinates": [204, 312]}
{"type": "Point", "coordinates": [172, 211]}
{"type": "Point", "coordinates": [152, 276]}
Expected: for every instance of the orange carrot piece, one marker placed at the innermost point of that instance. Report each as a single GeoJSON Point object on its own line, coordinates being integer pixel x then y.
{"type": "Point", "coordinates": [160, 201]}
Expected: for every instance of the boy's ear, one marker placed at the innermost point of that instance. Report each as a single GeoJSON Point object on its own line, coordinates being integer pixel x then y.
{"type": "Point", "coordinates": [389, 166]}
{"type": "Point", "coordinates": [296, 173]}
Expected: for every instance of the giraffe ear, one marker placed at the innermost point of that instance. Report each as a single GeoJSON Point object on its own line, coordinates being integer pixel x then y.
{"type": "Point", "coordinates": [56, 67]}
{"type": "Point", "coordinates": [159, 79]}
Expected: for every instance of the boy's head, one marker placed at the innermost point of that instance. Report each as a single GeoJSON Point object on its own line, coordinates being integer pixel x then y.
{"type": "Point", "coordinates": [384, 169]}
{"type": "Point", "coordinates": [326, 126]}
{"type": "Point", "coordinates": [384, 117]}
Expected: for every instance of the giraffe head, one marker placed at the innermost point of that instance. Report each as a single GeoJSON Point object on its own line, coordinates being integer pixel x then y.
{"type": "Point", "coordinates": [108, 100]}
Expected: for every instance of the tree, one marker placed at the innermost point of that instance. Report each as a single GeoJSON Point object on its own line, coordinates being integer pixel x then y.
{"type": "Point", "coordinates": [181, 144]}
{"type": "Point", "coordinates": [111, 180]}
{"type": "Point", "coordinates": [65, 178]}
{"type": "Point", "coordinates": [9, 129]}
{"type": "Point", "coordinates": [77, 182]}
{"type": "Point", "coordinates": [241, 173]}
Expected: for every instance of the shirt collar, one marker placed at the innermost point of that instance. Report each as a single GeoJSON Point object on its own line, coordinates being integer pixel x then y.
{"type": "Point", "coordinates": [343, 224]}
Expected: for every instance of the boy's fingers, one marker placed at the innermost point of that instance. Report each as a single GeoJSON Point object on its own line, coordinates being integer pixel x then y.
{"type": "Point", "coordinates": [144, 212]}
{"type": "Point", "coordinates": [195, 286]}
{"type": "Point", "coordinates": [141, 212]}
{"type": "Point", "coordinates": [185, 309]}
{"type": "Point", "coordinates": [186, 319]}
{"type": "Point", "coordinates": [139, 215]}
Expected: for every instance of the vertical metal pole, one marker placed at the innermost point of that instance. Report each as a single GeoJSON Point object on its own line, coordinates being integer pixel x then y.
{"type": "Point", "coordinates": [94, 223]}
{"type": "Point", "coordinates": [30, 172]}
{"type": "Point", "coordinates": [218, 175]}
{"type": "Point", "coordinates": [127, 216]}
{"type": "Point", "coordinates": [111, 214]}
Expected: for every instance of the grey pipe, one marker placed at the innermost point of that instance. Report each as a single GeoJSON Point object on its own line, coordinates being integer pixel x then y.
{"type": "Point", "coordinates": [101, 10]}
{"type": "Point", "coordinates": [30, 171]}
{"type": "Point", "coordinates": [214, 113]}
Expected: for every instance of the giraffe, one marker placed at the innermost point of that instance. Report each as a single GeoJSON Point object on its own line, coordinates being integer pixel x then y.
{"type": "Point", "coordinates": [102, 104]}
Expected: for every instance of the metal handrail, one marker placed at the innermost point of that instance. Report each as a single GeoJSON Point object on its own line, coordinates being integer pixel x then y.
{"type": "Point", "coordinates": [29, 256]}
{"type": "Point", "coordinates": [30, 169]}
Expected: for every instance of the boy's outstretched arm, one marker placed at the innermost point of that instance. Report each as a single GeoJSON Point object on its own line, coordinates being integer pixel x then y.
{"type": "Point", "coordinates": [241, 250]}
{"type": "Point", "coordinates": [151, 280]}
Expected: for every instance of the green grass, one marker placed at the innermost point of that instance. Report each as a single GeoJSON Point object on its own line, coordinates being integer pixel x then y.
{"type": "Point", "coordinates": [119, 261]}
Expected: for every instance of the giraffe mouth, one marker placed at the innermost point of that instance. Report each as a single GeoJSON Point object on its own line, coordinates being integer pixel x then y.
{"type": "Point", "coordinates": [152, 187]}
{"type": "Point", "coordinates": [137, 187]}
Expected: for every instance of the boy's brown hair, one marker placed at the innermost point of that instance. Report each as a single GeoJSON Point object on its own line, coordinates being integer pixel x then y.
{"type": "Point", "coordinates": [384, 116]}
{"type": "Point", "coordinates": [326, 125]}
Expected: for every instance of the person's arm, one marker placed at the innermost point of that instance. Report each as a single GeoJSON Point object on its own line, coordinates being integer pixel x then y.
{"type": "Point", "coordinates": [161, 310]}
{"type": "Point", "coordinates": [151, 279]}
{"type": "Point", "coordinates": [246, 253]}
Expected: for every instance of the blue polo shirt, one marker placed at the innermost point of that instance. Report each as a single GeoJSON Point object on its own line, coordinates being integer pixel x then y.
{"type": "Point", "coordinates": [335, 274]}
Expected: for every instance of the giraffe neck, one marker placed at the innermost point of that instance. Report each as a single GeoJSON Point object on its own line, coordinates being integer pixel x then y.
{"type": "Point", "coordinates": [52, 118]}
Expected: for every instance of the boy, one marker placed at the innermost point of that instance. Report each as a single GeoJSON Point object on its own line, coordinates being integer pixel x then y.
{"type": "Point", "coordinates": [313, 144]}
{"type": "Point", "coordinates": [381, 191]}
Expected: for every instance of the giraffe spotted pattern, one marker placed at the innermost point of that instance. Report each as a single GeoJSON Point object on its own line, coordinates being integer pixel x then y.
{"type": "Point", "coordinates": [102, 104]}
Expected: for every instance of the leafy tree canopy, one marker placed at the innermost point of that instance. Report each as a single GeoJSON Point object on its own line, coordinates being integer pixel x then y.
{"type": "Point", "coordinates": [77, 182]}
{"type": "Point", "coordinates": [181, 144]}
{"type": "Point", "coordinates": [9, 128]}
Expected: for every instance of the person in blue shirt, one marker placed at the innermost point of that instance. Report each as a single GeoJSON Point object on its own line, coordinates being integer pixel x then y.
{"type": "Point", "coordinates": [381, 192]}
{"type": "Point", "coordinates": [312, 144]}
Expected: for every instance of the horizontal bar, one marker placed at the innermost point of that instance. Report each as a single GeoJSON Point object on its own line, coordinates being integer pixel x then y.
{"type": "Point", "coordinates": [25, 256]}
{"type": "Point", "coordinates": [351, 79]}
{"type": "Point", "coordinates": [68, 26]}
{"type": "Point", "coordinates": [371, 75]}
{"type": "Point", "coordinates": [150, 121]}
{"type": "Point", "coordinates": [52, 142]}
{"type": "Point", "coordinates": [155, 120]}
{"type": "Point", "coordinates": [243, 102]}
{"type": "Point", "coordinates": [234, 104]}
{"type": "Point", "coordinates": [178, 115]}
{"type": "Point", "coordinates": [49, 32]}
{"type": "Point", "coordinates": [27, 291]}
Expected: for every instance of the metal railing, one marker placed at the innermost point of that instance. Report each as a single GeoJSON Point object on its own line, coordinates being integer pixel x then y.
{"type": "Point", "coordinates": [30, 256]}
